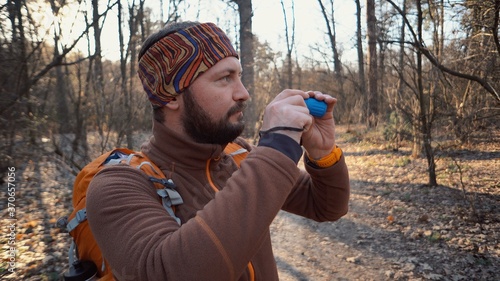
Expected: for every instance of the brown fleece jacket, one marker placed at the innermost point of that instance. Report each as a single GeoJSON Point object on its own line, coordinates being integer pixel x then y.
{"type": "Point", "coordinates": [224, 235]}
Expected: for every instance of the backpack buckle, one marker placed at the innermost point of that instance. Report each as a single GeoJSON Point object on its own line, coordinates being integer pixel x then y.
{"type": "Point", "coordinates": [167, 183]}
{"type": "Point", "coordinates": [62, 222]}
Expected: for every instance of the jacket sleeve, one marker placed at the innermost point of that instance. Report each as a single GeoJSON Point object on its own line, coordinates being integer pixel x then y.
{"type": "Point", "coordinates": [141, 242]}
{"type": "Point", "coordinates": [321, 194]}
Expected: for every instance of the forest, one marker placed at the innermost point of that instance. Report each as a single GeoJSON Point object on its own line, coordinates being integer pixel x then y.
{"type": "Point", "coordinates": [422, 91]}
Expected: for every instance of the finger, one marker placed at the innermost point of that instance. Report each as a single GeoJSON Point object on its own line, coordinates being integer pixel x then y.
{"type": "Point", "coordinates": [309, 123]}
{"type": "Point", "coordinates": [308, 126]}
{"type": "Point", "coordinates": [321, 96]}
{"type": "Point", "coordinates": [331, 103]}
{"type": "Point", "coordinates": [291, 92]}
{"type": "Point", "coordinates": [295, 101]}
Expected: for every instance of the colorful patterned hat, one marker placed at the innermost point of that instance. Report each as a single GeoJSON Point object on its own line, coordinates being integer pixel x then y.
{"type": "Point", "coordinates": [170, 65]}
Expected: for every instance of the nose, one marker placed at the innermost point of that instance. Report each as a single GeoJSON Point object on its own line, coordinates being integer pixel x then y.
{"type": "Point", "coordinates": [240, 92]}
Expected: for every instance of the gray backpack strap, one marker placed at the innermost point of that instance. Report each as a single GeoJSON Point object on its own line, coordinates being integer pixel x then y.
{"type": "Point", "coordinates": [169, 196]}
{"type": "Point", "coordinates": [72, 254]}
{"type": "Point", "coordinates": [80, 217]}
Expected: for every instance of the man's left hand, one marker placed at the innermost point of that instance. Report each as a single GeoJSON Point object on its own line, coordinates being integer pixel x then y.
{"type": "Point", "coordinates": [319, 139]}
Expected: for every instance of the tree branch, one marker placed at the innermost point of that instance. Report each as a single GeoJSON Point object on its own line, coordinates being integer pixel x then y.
{"type": "Point", "coordinates": [428, 54]}
{"type": "Point", "coordinates": [56, 61]}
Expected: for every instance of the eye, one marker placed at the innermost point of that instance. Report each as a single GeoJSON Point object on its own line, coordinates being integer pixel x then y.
{"type": "Point", "coordinates": [226, 78]}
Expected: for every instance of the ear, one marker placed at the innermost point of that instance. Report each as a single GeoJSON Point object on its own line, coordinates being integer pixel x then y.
{"type": "Point", "coordinates": [173, 104]}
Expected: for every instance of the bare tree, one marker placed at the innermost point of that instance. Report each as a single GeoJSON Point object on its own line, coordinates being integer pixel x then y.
{"type": "Point", "coordinates": [128, 55]}
{"type": "Point", "coordinates": [290, 43]}
{"type": "Point", "coordinates": [98, 76]}
{"type": "Point", "coordinates": [418, 106]}
{"type": "Point", "coordinates": [359, 48]}
{"type": "Point", "coordinates": [401, 83]}
{"type": "Point", "coordinates": [428, 94]}
{"type": "Point", "coordinates": [424, 102]}
{"type": "Point", "coordinates": [27, 63]}
{"type": "Point", "coordinates": [485, 83]}
{"type": "Point", "coordinates": [245, 12]}
{"type": "Point", "coordinates": [80, 144]}
{"type": "Point", "coordinates": [18, 53]}
{"type": "Point", "coordinates": [332, 36]}
{"type": "Point", "coordinates": [361, 57]}
{"type": "Point", "coordinates": [61, 83]}
{"type": "Point", "coordinates": [372, 99]}
{"type": "Point", "coordinates": [480, 57]}
{"type": "Point", "coordinates": [123, 75]}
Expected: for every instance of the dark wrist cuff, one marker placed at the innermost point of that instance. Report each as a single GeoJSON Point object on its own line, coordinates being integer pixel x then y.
{"type": "Point", "coordinates": [282, 143]}
{"type": "Point", "coordinates": [311, 163]}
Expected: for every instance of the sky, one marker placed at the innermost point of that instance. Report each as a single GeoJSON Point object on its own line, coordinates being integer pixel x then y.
{"type": "Point", "coordinates": [268, 23]}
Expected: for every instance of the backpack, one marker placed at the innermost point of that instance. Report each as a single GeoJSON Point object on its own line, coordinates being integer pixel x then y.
{"type": "Point", "coordinates": [84, 248]}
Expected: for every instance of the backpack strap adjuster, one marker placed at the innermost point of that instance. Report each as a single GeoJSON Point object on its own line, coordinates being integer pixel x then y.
{"type": "Point", "coordinates": [80, 217]}
{"type": "Point", "coordinates": [169, 196]}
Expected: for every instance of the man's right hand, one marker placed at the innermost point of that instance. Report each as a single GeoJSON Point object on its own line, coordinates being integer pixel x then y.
{"type": "Point", "coordinates": [288, 109]}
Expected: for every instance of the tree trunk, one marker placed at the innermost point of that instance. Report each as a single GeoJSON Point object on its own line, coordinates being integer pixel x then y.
{"type": "Point", "coordinates": [98, 80]}
{"type": "Point", "coordinates": [401, 83]}
{"type": "Point", "coordinates": [80, 145]}
{"type": "Point", "coordinates": [425, 123]}
{"type": "Point", "coordinates": [372, 100]}
{"type": "Point", "coordinates": [361, 56]}
{"type": "Point", "coordinates": [290, 41]}
{"type": "Point", "coordinates": [22, 82]}
{"type": "Point", "coordinates": [332, 35]}
{"type": "Point", "coordinates": [61, 94]}
{"type": "Point", "coordinates": [126, 123]}
{"type": "Point", "coordinates": [247, 58]}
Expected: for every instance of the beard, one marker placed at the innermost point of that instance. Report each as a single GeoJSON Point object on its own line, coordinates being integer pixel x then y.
{"type": "Point", "coordinates": [203, 129]}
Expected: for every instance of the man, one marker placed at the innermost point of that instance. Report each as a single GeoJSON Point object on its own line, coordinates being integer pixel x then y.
{"type": "Point", "coordinates": [191, 74]}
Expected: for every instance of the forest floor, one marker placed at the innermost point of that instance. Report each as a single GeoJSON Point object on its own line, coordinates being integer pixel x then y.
{"type": "Point", "coordinates": [397, 227]}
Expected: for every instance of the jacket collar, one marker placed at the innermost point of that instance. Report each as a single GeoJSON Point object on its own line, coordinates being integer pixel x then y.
{"type": "Point", "coordinates": [166, 148]}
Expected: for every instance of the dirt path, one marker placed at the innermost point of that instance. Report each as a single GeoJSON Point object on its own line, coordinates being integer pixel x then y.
{"type": "Point", "coordinates": [396, 229]}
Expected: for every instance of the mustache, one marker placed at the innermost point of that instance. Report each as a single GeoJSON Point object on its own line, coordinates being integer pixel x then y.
{"type": "Point", "coordinates": [239, 106]}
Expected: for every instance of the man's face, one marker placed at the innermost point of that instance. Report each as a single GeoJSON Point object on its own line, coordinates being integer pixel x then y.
{"type": "Point", "coordinates": [214, 104]}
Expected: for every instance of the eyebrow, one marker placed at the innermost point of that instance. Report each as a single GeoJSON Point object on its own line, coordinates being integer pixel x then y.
{"type": "Point", "coordinates": [230, 70]}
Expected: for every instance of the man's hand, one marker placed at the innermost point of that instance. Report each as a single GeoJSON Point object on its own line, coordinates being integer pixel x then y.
{"type": "Point", "coordinates": [288, 110]}
{"type": "Point", "coordinates": [319, 138]}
